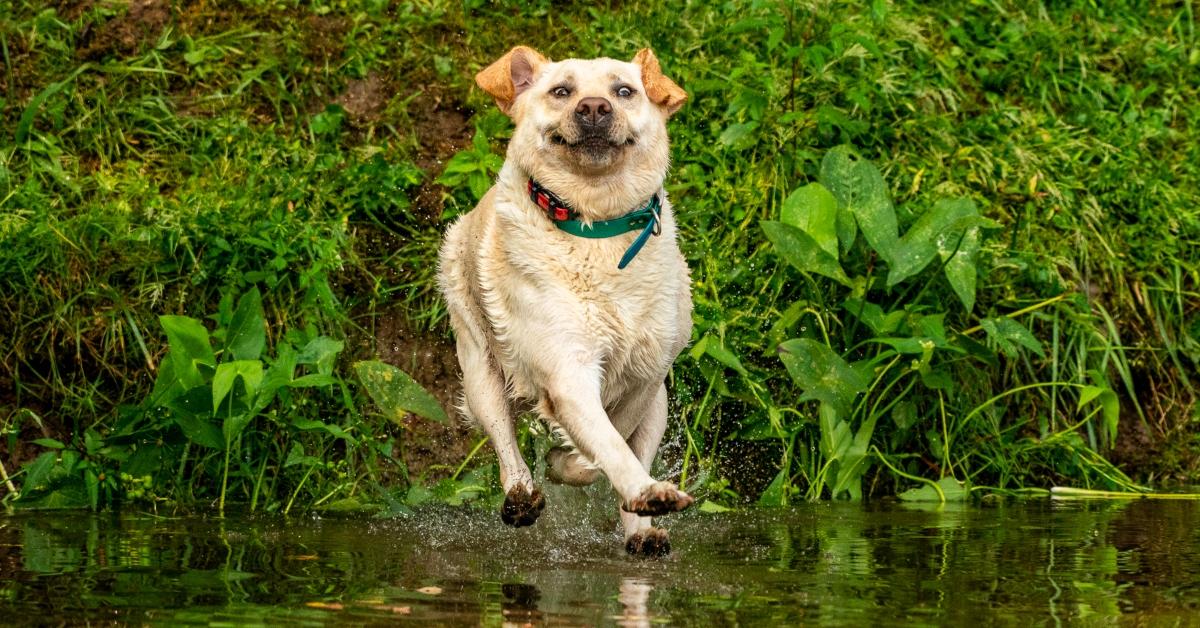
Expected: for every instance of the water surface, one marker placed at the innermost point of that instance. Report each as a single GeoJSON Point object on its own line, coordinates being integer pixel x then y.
{"type": "Point", "coordinates": [1028, 563]}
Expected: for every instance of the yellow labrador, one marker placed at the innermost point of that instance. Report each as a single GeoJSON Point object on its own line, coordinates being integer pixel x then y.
{"type": "Point", "coordinates": [566, 289]}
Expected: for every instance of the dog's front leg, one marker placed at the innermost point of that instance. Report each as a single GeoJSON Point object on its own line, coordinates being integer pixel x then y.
{"type": "Point", "coordinates": [648, 412]}
{"type": "Point", "coordinates": [483, 387]}
{"type": "Point", "coordinates": [574, 395]}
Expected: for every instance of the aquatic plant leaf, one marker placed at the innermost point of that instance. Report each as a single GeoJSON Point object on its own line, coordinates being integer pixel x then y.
{"type": "Point", "coordinates": [873, 316]}
{"type": "Point", "coordinates": [296, 456]}
{"type": "Point", "coordinates": [860, 189]}
{"type": "Point", "coordinates": [711, 506]}
{"type": "Point", "coordinates": [821, 373]}
{"type": "Point", "coordinates": [53, 481]}
{"type": "Point", "coordinates": [1009, 336]}
{"type": "Point", "coordinates": [200, 430]}
{"type": "Point", "coordinates": [813, 210]}
{"type": "Point", "coordinates": [952, 490]}
{"type": "Point", "coordinates": [960, 267]}
{"type": "Point", "coordinates": [775, 495]}
{"type": "Point", "coordinates": [251, 373]}
{"type": "Point", "coordinates": [395, 393]}
{"type": "Point", "coordinates": [715, 349]}
{"type": "Point", "coordinates": [189, 348]}
{"type": "Point", "coordinates": [320, 351]}
{"type": "Point", "coordinates": [247, 334]}
{"type": "Point", "coordinates": [946, 220]}
{"type": "Point", "coordinates": [800, 250]}
{"type": "Point", "coordinates": [1110, 406]}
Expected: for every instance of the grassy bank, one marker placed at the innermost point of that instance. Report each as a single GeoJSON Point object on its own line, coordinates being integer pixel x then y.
{"type": "Point", "coordinates": [1005, 199]}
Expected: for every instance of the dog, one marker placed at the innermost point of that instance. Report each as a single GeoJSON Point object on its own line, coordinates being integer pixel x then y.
{"type": "Point", "coordinates": [567, 292]}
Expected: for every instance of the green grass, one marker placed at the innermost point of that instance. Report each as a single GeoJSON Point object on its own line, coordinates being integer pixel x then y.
{"type": "Point", "coordinates": [158, 163]}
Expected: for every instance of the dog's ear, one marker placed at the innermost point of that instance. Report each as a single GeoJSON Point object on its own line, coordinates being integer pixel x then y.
{"type": "Point", "coordinates": [661, 90]}
{"type": "Point", "coordinates": [510, 75]}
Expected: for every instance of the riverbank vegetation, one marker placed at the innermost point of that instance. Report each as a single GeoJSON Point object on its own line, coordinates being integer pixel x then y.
{"type": "Point", "coordinates": [936, 250]}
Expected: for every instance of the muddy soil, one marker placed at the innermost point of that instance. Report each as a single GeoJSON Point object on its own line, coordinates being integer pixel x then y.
{"type": "Point", "coordinates": [430, 359]}
{"type": "Point", "coordinates": [126, 34]}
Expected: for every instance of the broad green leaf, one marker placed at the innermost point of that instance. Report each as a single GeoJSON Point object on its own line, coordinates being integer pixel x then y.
{"type": "Point", "coordinates": [860, 189]}
{"type": "Point", "coordinates": [960, 267]}
{"type": "Point", "coordinates": [395, 393]}
{"type": "Point", "coordinates": [53, 480]}
{"type": "Point", "coordinates": [835, 433]}
{"type": "Point", "coordinates": [800, 250]}
{"type": "Point", "coordinates": [952, 490]}
{"type": "Point", "coordinates": [320, 351]}
{"type": "Point", "coordinates": [49, 442]}
{"type": "Point", "coordinates": [297, 456]}
{"type": "Point", "coordinates": [1009, 335]}
{"type": "Point", "coordinates": [38, 472]}
{"type": "Point", "coordinates": [873, 316]}
{"type": "Point", "coordinates": [946, 220]}
{"type": "Point", "coordinates": [1110, 406]}
{"type": "Point", "coordinates": [822, 374]}
{"type": "Point", "coordinates": [855, 461]}
{"type": "Point", "coordinates": [166, 385]}
{"type": "Point", "coordinates": [813, 210]}
{"type": "Point", "coordinates": [279, 374]}
{"type": "Point", "coordinates": [68, 495]}
{"type": "Point", "coordinates": [251, 372]}
{"type": "Point", "coordinates": [775, 495]}
{"type": "Point", "coordinates": [189, 348]}
{"type": "Point", "coordinates": [192, 412]}
{"type": "Point", "coordinates": [714, 349]}
{"type": "Point", "coordinates": [739, 135]}
{"type": "Point", "coordinates": [247, 333]}
{"type": "Point", "coordinates": [194, 402]}
{"type": "Point", "coordinates": [711, 506]}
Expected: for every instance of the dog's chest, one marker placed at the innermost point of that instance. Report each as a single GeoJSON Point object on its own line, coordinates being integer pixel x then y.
{"type": "Point", "coordinates": [627, 321]}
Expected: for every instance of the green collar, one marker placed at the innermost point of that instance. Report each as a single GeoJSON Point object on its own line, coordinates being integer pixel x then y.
{"type": "Point", "coordinates": [648, 218]}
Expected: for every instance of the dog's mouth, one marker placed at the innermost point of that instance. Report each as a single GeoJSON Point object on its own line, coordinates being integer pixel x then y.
{"type": "Point", "coordinates": [591, 142]}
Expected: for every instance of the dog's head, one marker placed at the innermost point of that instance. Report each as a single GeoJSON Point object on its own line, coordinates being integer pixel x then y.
{"type": "Point", "coordinates": [596, 117]}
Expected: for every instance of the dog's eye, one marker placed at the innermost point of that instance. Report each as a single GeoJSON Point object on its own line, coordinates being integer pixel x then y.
{"type": "Point", "coordinates": [624, 92]}
{"type": "Point", "coordinates": [561, 92]}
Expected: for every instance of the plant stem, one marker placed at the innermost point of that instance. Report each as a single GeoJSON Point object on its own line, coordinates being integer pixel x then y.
{"type": "Point", "coordinates": [1021, 312]}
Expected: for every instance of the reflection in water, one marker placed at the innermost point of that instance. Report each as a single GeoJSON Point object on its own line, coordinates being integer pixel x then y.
{"type": "Point", "coordinates": [827, 564]}
{"type": "Point", "coordinates": [520, 605]}
{"type": "Point", "coordinates": [635, 592]}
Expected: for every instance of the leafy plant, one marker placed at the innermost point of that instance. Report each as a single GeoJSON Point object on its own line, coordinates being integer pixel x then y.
{"type": "Point", "coordinates": [895, 353]}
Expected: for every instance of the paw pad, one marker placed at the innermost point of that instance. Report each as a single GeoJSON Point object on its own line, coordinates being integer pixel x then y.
{"type": "Point", "coordinates": [522, 507]}
{"type": "Point", "coordinates": [649, 543]}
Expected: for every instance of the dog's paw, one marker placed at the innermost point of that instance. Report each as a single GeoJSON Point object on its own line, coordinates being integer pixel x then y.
{"type": "Point", "coordinates": [649, 543]}
{"type": "Point", "coordinates": [658, 499]}
{"type": "Point", "coordinates": [522, 507]}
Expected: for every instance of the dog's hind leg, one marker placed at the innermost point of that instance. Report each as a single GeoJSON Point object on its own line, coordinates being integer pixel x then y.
{"type": "Point", "coordinates": [565, 465]}
{"type": "Point", "coordinates": [641, 537]}
{"type": "Point", "coordinates": [483, 387]}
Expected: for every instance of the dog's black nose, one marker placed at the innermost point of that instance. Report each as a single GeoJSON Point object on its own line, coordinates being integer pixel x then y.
{"type": "Point", "coordinates": [594, 111]}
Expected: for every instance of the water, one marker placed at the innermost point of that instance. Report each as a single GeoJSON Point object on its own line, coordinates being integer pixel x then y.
{"type": "Point", "coordinates": [1025, 563]}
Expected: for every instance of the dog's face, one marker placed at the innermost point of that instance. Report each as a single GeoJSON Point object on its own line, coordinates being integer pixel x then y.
{"type": "Point", "coordinates": [591, 117]}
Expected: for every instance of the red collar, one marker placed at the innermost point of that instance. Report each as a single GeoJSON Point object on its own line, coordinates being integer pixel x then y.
{"type": "Point", "coordinates": [556, 209]}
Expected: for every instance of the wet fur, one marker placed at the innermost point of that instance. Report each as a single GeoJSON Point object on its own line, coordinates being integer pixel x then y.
{"type": "Point", "coordinates": [544, 319]}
